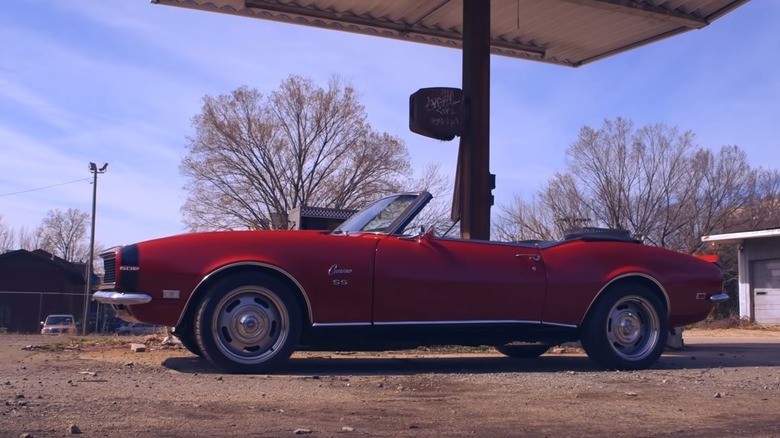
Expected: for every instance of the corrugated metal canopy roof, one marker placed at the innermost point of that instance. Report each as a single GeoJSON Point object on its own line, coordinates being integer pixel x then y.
{"type": "Point", "coordinates": [564, 32]}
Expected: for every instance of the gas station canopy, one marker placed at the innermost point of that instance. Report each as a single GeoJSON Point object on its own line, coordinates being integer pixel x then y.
{"type": "Point", "coordinates": [563, 32]}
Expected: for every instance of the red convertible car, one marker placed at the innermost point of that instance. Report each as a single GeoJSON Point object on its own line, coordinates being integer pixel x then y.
{"type": "Point", "coordinates": [245, 300]}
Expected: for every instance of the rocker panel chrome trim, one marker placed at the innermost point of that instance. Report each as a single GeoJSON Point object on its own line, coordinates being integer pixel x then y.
{"type": "Point", "coordinates": [557, 324]}
{"type": "Point", "coordinates": [388, 323]}
{"type": "Point", "coordinates": [341, 324]}
{"type": "Point", "coordinates": [506, 321]}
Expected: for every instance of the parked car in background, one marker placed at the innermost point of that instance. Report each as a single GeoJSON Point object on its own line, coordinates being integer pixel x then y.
{"type": "Point", "coordinates": [59, 324]}
{"type": "Point", "coordinates": [137, 329]}
{"type": "Point", "coordinates": [245, 300]}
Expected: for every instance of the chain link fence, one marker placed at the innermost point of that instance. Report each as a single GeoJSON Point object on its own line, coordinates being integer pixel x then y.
{"type": "Point", "coordinates": [23, 311]}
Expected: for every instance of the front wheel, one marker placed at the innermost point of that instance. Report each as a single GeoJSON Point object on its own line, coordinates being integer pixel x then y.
{"type": "Point", "coordinates": [627, 330]}
{"type": "Point", "coordinates": [248, 323]}
{"type": "Point", "coordinates": [188, 342]}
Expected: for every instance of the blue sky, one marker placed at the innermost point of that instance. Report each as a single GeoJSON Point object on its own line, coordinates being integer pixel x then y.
{"type": "Point", "coordinates": [118, 81]}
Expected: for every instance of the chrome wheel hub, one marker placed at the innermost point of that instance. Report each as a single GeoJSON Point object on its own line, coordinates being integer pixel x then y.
{"type": "Point", "coordinates": [629, 327]}
{"type": "Point", "coordinates": [633, 328]}
{"type": "Point", "coordinates": [250, 323]}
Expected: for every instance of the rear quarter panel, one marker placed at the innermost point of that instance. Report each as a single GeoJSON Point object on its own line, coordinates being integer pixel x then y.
{"type": "Point", "coordinates": [578, 271]}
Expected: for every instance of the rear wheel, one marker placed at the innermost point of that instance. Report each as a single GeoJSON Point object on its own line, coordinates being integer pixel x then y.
{"type": "Point", "coordinates": [523, 351]}
{"type": "Point", "coordinates": [248, 323]}
{"type": "Point", "coordinates": [627, 329]}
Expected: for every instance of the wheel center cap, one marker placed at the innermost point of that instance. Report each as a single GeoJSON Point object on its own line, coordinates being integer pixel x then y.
{"type": "Point", "coordinates": [628, 326]}
{"type": "Point", "coordinates": [249, 322]}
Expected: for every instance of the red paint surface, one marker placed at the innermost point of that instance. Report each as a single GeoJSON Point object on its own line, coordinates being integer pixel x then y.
{"type": "Point", "coordinates": [390, 279]}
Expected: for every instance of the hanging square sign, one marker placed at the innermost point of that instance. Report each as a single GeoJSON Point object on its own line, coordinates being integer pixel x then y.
{"type": "Point", "coordinates": [437, 112]}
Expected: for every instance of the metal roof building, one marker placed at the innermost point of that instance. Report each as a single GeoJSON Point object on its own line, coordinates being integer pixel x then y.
{"type": "Point", "coordinates": [759, 273]}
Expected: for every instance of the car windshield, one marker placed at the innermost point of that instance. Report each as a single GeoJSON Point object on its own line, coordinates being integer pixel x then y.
{"type": "Point", "coordinates": [384, 215]}
{"type": "Point", "coordinates": [59, 320]}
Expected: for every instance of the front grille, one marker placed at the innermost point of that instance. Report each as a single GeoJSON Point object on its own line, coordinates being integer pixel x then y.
{"type": "Point", "coordinates": [109, 268]}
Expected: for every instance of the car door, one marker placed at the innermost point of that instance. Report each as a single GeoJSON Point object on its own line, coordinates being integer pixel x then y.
{"type": "Point", "coordinates": [336, 272]}
{"type": "Point", "coordinates": [453, 280]}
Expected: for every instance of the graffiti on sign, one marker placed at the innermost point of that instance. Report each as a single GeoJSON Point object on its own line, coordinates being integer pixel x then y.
{"type": "Point", "coordinates": [437, 112]}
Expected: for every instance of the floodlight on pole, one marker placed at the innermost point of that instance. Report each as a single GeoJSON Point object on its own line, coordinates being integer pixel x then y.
{"type": "Point", "coordinates": [88, 277]}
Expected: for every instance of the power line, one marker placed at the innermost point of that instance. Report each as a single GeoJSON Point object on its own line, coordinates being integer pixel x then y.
{"type": "Point", "coordinates": [43, 188]}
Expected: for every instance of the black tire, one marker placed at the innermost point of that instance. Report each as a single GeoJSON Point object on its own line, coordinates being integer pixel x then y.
{"type": "Point", "coordinates": [523, 351]}
{"type": "Point", "coordinates": [628, 328]}
{"type": "Point", "coordinates": [188, 342]}
{"type": "Point", "coordinates": [248, 323]}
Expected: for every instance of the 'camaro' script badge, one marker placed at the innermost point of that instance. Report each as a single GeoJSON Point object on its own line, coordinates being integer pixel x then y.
{"type": "Point", "coordinates": [335, 270]}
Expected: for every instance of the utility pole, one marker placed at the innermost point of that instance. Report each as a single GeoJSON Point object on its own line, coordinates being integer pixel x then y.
{"type": "Point", "coordinates": [88, 277]}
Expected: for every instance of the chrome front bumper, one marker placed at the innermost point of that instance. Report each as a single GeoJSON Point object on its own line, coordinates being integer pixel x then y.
{"type": "Point", "coordinates": [121, 298]}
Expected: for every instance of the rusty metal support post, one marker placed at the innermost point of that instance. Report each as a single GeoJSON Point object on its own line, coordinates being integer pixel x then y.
{"type": "Point", "coordinates": [475, 183]}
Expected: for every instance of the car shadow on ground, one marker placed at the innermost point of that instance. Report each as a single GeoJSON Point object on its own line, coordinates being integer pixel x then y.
{"type": "Point", "coordinates": [382, 366]}
{"type": "Point", "coordinates": [692, 357]}
{"type": "Point", "coordinates": [714, 354]}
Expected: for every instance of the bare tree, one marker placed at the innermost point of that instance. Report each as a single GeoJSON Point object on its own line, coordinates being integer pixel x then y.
{"type": "Point", "coordinates": [254, 157]}
{"type": "Point", "coordinates": [723, 185]}
{"type": "Point", "coordinates": [558, 207]}
{"type": "Point", "coordinates": [6, 237]}
{"type": "Point", "coordinates": [64, 234]}
{"type": "Point", "coordinates": [632, 179]}
{"type": "Point", "coordinates": [437, 213]}
{"type": "Point", "coordinates": [522, 220]}
{"type": "Point", "coordinates": [30, 239]}
{"type": "Point", "coordinates": [653, 181]}
{"type": "Point", "coordinates": [764, 211]}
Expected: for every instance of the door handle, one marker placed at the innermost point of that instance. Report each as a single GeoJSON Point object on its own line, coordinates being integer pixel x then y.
{"type": "Point", "coordinates": [534, 257]}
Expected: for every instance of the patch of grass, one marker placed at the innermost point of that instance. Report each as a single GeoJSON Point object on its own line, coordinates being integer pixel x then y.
{"type": "Point", "coordinates": [78, 342]}
{"type": "Point", "coordinates": [732, 322]}
{"type": "Point", "coordinates": [102, 340]}
{"type": "Point", "coordinates": [156, 338]}
{"type": "Point", "coordinates": [55, 346]}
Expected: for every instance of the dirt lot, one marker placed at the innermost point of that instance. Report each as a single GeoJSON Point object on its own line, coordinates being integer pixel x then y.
{"type": "Point", "coordinates": [723, 383]}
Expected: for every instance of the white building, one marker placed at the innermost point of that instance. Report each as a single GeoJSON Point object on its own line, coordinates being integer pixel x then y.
{"type": "Point", "coordinates": [759, 273]}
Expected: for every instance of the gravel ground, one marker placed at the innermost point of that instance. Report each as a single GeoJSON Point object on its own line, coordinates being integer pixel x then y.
{"type": "Point", "coordinates": [722, 383]}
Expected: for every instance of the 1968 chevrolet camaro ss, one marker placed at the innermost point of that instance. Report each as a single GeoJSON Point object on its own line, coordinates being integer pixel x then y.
{"type": "Point", "coordinates": [245, 300]}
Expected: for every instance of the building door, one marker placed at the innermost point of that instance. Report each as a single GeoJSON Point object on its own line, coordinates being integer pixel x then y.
{"type": "Point", "coordinates": [766, 291]}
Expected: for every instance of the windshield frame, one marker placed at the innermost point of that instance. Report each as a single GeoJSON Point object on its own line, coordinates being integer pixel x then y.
{"type": "Point", "coordinates": [358, 222]}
